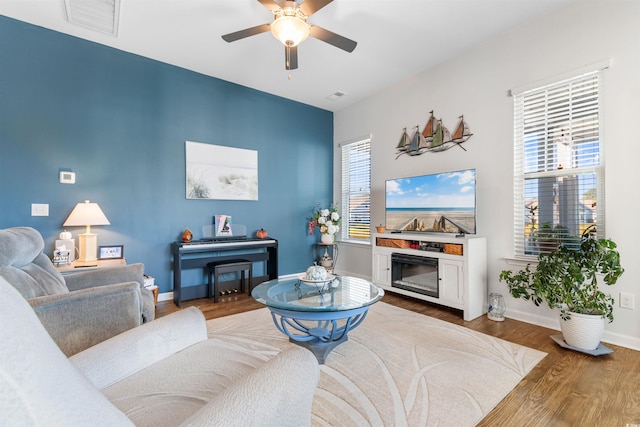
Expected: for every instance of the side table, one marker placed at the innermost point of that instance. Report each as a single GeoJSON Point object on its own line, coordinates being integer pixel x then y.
{"type": "Point", "coordinates": [77, 266]}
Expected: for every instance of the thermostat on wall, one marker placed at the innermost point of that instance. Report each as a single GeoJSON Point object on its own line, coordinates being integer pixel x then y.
{"type": "Point", "coordinates": [67, 177]}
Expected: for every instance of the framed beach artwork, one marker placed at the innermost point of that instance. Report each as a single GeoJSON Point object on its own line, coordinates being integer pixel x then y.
{"type": "Point", "coordinates": [221, 173]}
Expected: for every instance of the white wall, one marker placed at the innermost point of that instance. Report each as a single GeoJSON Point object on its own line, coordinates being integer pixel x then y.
{"type": "Point", "coordinates": [476, 84]}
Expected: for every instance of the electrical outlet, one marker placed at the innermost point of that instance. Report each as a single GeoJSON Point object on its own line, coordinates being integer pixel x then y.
{"type": "Point", "coordinates": [627, 301]}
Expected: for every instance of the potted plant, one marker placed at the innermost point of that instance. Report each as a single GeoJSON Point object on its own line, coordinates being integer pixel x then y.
{"type": "Point", "coordinates": [567, 278]}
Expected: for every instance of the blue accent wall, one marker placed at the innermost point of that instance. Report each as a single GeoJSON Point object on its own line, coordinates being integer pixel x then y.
{"type": "Point", "coordinates": [120, 122]}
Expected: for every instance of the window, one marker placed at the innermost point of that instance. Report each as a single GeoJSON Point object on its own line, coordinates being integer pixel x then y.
{"type": "Point", "coordinates": [356, 189]}
{"type": "Point", "coordinates": [559, 175]}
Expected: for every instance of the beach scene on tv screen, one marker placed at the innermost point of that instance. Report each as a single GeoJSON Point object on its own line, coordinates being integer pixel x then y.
{"type": "Point", "coordinates": [443, 203]}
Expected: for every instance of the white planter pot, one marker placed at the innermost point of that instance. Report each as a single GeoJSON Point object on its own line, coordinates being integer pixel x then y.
{"type": "Point", "coordinates": [583, 331]}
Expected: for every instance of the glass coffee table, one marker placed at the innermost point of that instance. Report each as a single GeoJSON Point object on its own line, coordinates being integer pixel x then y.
{"type": "Point", "coordinates": [318, 315]}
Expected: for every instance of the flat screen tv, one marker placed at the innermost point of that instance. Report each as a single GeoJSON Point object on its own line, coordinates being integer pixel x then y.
{"type": "Point", "coordinates": [435, 203]}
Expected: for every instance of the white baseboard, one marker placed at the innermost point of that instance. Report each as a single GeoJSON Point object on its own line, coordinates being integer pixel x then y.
{"type": "Point", "coordinates": [291, 276]}
{"type": "Point", "coordinates": [632, 343]}
{"type": "Point", "coordinates": [533, 319]}
{"type": "Point", "coordinates": [621, 340]}
{"type": "Point", "coordinates": [165, 296]}
{"type": "Point", "coordinates": [347, 273]}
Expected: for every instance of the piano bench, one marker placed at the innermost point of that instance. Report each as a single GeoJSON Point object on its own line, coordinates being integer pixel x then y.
{"type": "Point", "coordinates": [217, 268]}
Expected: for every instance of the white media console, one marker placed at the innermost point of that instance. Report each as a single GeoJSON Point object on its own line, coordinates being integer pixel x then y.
{"type": "Point", "coordinates": [461, 268]}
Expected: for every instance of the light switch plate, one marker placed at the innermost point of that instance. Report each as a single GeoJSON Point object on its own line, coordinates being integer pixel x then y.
{"type": "Point", "coordinates": [67, 177]}
{"type": "Point", "coordinates": [39, 209]}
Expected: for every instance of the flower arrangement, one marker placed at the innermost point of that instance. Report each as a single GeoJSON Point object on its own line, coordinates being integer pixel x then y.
{"type": "Point", "coordinates": [327, 219]}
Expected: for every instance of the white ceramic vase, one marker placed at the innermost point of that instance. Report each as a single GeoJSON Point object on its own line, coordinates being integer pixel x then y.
{"type": "Point", "coordinates": [583, 331]}
{"type": "Point", "coordinates": [326, 261]}
{"type": "Point", "coordinates": [327, 239]}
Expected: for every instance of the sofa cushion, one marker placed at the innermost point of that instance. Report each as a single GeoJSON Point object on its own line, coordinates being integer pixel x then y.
{"type": "Point", "coordinates": [24, 265]}
{"type": "Point", "coordinates": [19, 246]}
{"type": "Point", "coordinates": [125, 354]}
{"type": "Point", "coordinates": [170, 391]}
{"type": "Point", "coordinates": [38, 384]}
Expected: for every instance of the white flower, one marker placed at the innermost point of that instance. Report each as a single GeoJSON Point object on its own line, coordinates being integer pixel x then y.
{"type": "Point", "coordinates": [326, 219]}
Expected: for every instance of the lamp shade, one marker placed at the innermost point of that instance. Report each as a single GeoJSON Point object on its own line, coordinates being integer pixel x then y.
{"type": "Point", "coordinates": [290, 30]}
{"type": "Point", "coordinates": [86, 213]}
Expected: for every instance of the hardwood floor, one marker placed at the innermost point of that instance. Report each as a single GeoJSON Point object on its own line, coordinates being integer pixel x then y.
{"type": "Point", "coordinates": [566, 388]}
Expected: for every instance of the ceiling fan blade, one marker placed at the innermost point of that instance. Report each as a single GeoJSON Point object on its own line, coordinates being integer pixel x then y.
{"type": "Point", "coordinates": [309, 7]}
{"type": "Point", "coordinates": [332, 38]}
{"type": "Point", "coordinates": [291, 57]}
{"type": "Point", "coordinates": [231, 37]}
{"type": "Point", "coordinates": [269, 4]}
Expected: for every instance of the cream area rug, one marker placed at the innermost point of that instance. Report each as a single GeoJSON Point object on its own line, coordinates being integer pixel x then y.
{"type": "Point", "coordinates": [398, 368]}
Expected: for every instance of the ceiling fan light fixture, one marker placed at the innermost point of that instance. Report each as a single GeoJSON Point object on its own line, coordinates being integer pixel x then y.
{"type": "Point", "coordinates": [290, 30]}
{"type": "Point", "coordinates": [290, 27]}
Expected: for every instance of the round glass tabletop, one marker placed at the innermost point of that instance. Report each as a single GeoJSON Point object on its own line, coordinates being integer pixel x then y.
{"type": "Point", "coordinates": [341, 293]}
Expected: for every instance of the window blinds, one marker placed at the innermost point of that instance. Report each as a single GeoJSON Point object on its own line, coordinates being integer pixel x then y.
{"type": "Point", "coordinates": [559, 175]}
{"type": "Point", "coordinates": [356, 189]}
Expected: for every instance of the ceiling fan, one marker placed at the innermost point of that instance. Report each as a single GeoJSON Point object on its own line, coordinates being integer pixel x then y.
{"type": "Point", "coordinates": [291, 28]}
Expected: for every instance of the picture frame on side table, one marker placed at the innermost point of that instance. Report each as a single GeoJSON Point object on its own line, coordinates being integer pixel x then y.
{"type": "Point", "coordinates": [111, 252]}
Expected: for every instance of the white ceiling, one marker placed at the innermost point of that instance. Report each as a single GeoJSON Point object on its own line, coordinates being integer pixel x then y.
{"type": "Point", "coordinates": [396, 39]}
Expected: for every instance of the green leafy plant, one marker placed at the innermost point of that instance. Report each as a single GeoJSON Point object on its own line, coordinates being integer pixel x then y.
{"type": "Point", "coordinates": [568, 278]}
{"type": "Point", "coordinates": [549, 238]}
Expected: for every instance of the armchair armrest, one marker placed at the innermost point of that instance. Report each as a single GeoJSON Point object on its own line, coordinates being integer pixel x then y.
{"type": "Point", "coordinates": [132, 351]}
{"type": "Point", "coordinates": [111, 275]}
{"type": "Point", "coordinates": [279, 393]}
{"type": "Point", "coordinates": [105, 276]}
{"type": "Point", "coordinates": [81, 319]}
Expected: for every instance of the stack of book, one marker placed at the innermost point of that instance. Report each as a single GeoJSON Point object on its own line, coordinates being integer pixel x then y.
{"type": "Point", "coordinates": [149, 283]}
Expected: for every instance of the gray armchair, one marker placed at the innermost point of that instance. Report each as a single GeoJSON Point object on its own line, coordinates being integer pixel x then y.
{"type": "Point", "coordinates": [78, 310]}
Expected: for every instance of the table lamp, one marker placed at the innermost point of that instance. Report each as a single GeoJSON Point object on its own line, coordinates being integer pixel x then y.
{"type": "Point", "coordinates": [87, 214]}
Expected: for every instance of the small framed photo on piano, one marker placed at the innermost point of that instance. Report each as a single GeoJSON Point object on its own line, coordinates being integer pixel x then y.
{"type": "Point", "coordinates": [111, 252]}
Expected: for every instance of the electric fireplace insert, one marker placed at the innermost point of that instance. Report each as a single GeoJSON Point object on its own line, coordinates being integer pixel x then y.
{"type": "Point", "coordinates": [415, 273]}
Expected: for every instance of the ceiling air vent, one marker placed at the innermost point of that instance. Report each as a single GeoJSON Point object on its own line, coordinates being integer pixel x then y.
{"type": "Point", "coordinates": [99, 15]}
{"type": "Point", "coordinates": [337, 95]}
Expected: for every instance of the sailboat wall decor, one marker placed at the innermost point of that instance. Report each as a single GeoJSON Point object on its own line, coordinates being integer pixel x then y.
{"type": "Point", "coordinates": [404, 142]}
{"type": "Point", "coordinates": [434, 137]}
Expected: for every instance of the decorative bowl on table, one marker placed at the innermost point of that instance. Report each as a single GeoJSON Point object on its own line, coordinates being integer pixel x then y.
{"type": "Point", "coordinates": [313, 282]}
{"type": "Point", "coordinates": [316, 272]}
{"type": "Point", "coordinates": [319, 277]}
